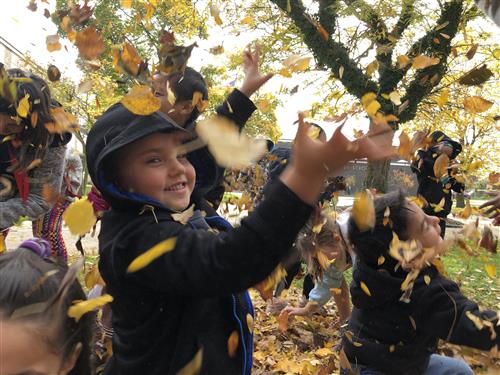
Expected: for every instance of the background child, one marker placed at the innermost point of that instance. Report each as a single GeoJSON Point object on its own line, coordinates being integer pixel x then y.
{"type": "Point", "coordinates": [327, 257]}
{"type": "Point", "coordinates": [36, 338]}
{"type": "Point", "coordinates": [396, 323]}
{"type": "Point", "coordinates": [191, 297]}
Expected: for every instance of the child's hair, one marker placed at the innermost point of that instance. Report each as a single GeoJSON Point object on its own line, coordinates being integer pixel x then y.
{"type": "Point", "coordinates": [184, 85]}
{"type": "Point", "coordinates": [371, 244]}
{"type": "Point", "coordinates": [35, 137]}
{"type": "Point", "coordinates": [28, 279]}
{"type": "Point", "coordinates": [309, 242]}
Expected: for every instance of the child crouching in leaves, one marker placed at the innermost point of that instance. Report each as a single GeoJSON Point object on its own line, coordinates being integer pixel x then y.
{"type": "Point", "coordinates": [327, 255]}
{"type": "Point", "coordinates": [402, 304]}
{"type": "Point", "coordinates": [36, 334]}
{"type": "Point", "coordinates": [188, 306]}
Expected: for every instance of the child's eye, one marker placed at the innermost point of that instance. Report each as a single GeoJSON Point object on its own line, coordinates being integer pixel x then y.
{"type": "Point", "coordinates": [154, 160]}
{"type": "Point", "coordinates": [157, 93]}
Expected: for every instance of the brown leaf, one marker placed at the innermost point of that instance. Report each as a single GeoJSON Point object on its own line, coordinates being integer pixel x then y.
{"type": "Point", "coordinates": [232, 344]}
{"type": "Point", "coordinates": [141, 101]}
{"type": "Point", "coordinates": [53, 43]}
{"type": "Point", "coordinates": [476, 104]}
{"type": "Point", "coordinates": [441, 166]}
{"type": "Point", "coordinates": [488, 240]}
{"type": "Point", "coordinates": [476, 76]}
{"type": "Point", "coordinates": [53, 73]}
{"type": "Point", "coordinates": [79, 15]}
{"type": "Point", "coordinates": [472, 51]}
{"type": "Point", "coordinates": [89, 43]}
{"type": "Point", "coordinates": [422, 61]}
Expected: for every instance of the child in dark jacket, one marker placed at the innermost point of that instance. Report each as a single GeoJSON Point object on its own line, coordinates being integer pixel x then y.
{"type": "Point", "coordinates": [437, 189]}
{"type": "Point", "coordinates": [191, 301]}
{"type": "Point", "coordinates": [402, 304]}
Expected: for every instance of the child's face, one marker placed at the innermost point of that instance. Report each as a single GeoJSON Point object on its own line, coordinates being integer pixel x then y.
{"type": "Point", "coordinates": [424, 229]}
{"type": "Point", "coordinates": [180, 111]}
{"type": "Point", "coordinates": [24, 351]}
{"type": "Point", "coordinates": [151, 166]}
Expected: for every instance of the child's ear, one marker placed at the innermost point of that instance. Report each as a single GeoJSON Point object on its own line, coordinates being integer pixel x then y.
{"type": "Point", "coordinates": [184, 107]}
{"type": "Point", "coordinates": [70, 362]}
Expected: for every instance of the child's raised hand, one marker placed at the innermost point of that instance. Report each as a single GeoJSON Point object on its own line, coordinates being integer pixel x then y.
{"type": "Point", "coordinates": [254, 78]}
{"type": "Point", "coordinates": [313, 160]}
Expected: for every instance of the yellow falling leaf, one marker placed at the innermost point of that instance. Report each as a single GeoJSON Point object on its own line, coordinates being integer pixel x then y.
{"type": "Point", "coordinates": [23, 107]}
{"type": "Point", "coordinates": [491, 270]}
{"type": "Point", "coordinates": [150, 255]}
{"type": "Point", "coordinates": [365, 289]}
{"type": "Point", "coordinates": [466, 212]}
{"type": "Point", "coordinates": [126, 4]}
{"type": "Point", "coordinates": [441, 166]}
{"type": "Point", "coordinates": [368, 98]}
{"type": "Point", "coordinates": [395, 97]}
{"type": "Point", "coordinates": [79, 309]}
{"type": "Point", "coordinates": [232, 344]}
{"type": "Point", "coordinates": [405, 150]}
{"type": "Point", "coordinates": [215, 13]}
{"type": "Point", "coordinates": [250, 323]}
{"type": "Point", "coordinates": [438, 207]}
{"type": "Point", "coordinates": [363, 210]}
{"type": "Point", "coordinates": [52, 42]}
{"type": "Point", "coordinates": [422, 61]}
{"type": "Point", "coordinates": [230, 147]}
{"type": "Point", "coordinates": [372, 68]}
{"type": "Point", "coordinates": [380, 260]}
{"type": "Point", "coordinates": [403, 61]}
{"type": "Point", "coordinates": [476, 104]}
{"type": "Point", "coordinates": [184, 216]}
{"type": "Point", "coordinates": [336, 291]}
{"type": "Point", "coordinates": [197, 97]}
{"type": "Point", "coordinates": [194, 366]}
{"type": "Point", "coordinates": [79, 217]}
{"type": "Point", "coordinates": [93, 277]}
{"type": "Point", "coordinates": [296, 63]}
{"type": "Point", "coordinates": [427, 279]}
{"type": "Point", "coordinates": [392, 348]}
{"type": "Point", "coordinates": [35, 163]}
{"type": "Point", "coordinates": [246, 20]}
{"type": "Point", "coordinates": [442, 99]}
{"type": "Point", "coordinates": [372, 108]}
{"type": "Point", "coordinates": [140, 100]}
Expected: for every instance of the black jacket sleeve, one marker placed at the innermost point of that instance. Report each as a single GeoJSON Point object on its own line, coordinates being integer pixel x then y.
{"type": "Point", "coordinates": [209, 264]}
{"type": "Point", "coordinates": [237, 107]}
{"type": "Point", "coordinates": [450, 316]}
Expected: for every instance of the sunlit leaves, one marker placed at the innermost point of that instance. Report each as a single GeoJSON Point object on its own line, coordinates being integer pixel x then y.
{"type": "Point", "coordinates": [229, 147]}
{"type": "Point", "coordinates": [79, 309]}
{"type": "Point", "coordinates": [363, 210]}
{"type": "Point", "coordinates": [476, 104]}
{"type": "Point", "coordinates": [89, 43]}
{"type": "Point", "coordinates": [152, 254]}
{"type": "Point", "coordinates": [140, 100]}
{"type": "Point", "coordinates": [63, 121]}
{"type": "Point", "coordinates": [80, 217]}
{"type": "Point", "coordinates": [370, 103]}
{"type": "Point", "coordinates": [422, 61]}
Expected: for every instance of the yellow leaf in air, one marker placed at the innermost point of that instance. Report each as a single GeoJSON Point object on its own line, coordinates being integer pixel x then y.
{"type": "Point", "coordinates": [413, 323]}
{"type": "Point", "coordinates": [79, 309]}
{"type": "Point", "coordinates": [422, 61]}
{"type": "Point", "coordinates": [170, 94]}
{"type": "Point", "coordinates": [476, 104]}
{"type": "Point", "coordinates": [264, 105]}
{"type": "Point", "coordinates": [395, 97]}
{"type": "Point", "coordinates": [127, 4]}
{"type": "Point", "coordinates": [363, 210]}
{"type": "Point", "coordinates": [285, 72]}
{"type": "Point", "coordinates": [2, 243]}
{"type": "Point", "coordinates": [336, 291]}
{"type": "Point", "coordinates": [52, 42]}
{"type": "Point", "coordinates": [215, 13]}
{"type": "Point", "coordinates": [230, 147]}
{"type": "Point", "coordinates": [365, 289]}
{"type": "Point", "coordinates": [442, 99]}
{"type": "Point", "coordinates": [405, 150]}
{"type": "Point", "coordinates": [402, 60]}
{"type": "Point", "coordinates": [246, 20]}
{"type": "Point", "coordinates": [197, 97]}
{"type": "Point", "coordinates": [478, 322]}
{"type": "Point", "coordinates": [372, 108]}
{"type": "Point", "coordinates": [232, 344]}
{"type": "Point", "coordinates": [368, 98]}
{"type": "Point", "coordinates": [441, 166]}
{"type": "Point", "coordinates": [438, 207]}
{"type": "Point", "coordinates": [194, 366]}
{"type": "Point", "coordinates": [140, 100]}
{"type": "Point", "coordinates": [380, 260]}
{"type": "Point", "coordinates": [427, 279]}
{"type": "Point", "coordinates": [475, 165]}
{"type": "Point", "coordinates": [372, 68]}
{"type": "Point", "coordinates": [491, 270]}
{"type": "Point", "coordinates": [79, 217]}
{"type": "Point", "coordinates": [250, 323]}
{"type": "Point", "coordinates": [148, 256]}
{"type": "Point", "coordinates": [466, 212]}
{"type": "Point", "coordinates": [23, 107]}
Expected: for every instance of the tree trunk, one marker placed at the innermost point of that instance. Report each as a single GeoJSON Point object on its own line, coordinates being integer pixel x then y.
{"type": "Point", "coordinates": [377, 175]}
{"type": "Point", "coordinates": [460, 200]}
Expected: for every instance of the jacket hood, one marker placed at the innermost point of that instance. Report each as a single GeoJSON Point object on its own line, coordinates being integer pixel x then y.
{"type": "Point", "coordinates": [115, 129]}
{"type": "Point", "coordinates": [439, 136]}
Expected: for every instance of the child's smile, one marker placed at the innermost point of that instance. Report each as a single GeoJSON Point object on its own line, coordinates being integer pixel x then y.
{"type": "Point", "coordinates": [151, 166]}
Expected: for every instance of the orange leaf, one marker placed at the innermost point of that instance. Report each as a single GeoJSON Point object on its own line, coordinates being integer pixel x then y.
{"type": "Point", "coordinates": [232, 344]}
{"type": "Point", "coordinates": [422, 61]}
{"type": "Point", "coordinates": [141, 101]}
{"type": "Point", "coordinates": [89, 43]}
{"type": "Point", "coordinates": [476, 104]}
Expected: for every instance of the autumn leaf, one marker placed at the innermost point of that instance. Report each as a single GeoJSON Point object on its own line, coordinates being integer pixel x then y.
{"type": "Point", "coordinates": [215, 13]}
{"type": "Point", "coordinates": [126, 4]}
{"type": "Point", "coordinates": [491, 270]}
{"type": "Point", "coordinates": [63, 121]}
{"type": "Point", "coordinates": [266, 286]}
{"type": "Point", "coordinates": [405, 150]}
{"type": "Point", "coordinates": [52, 42]}
{"type": "Point", "coordinates": [93, 277]}
{"type": "Point", "coordinates": [53, 73]}
{"type": "Point", "coordinates": [150, 255]}
{"type": "Point", "coordinates": [466, 212]}
{"type": "Point", "coordinates": [422, 61]}
{"type": "Point", "coordinates": [193, 367]}
{"type": "Point", "coordinates": [488, 240]}
{"type": "Point", "coordinates": [387, 219]}
{"type": "Point", "coordinates": [296, 63]}
{"type": "Point", "coordinates": [441, 165]}
{"type": "Point", "coordinates": [472, 51]}
{"type": "Point", "coordinates": [140, 100]}
{"type": "Point", "coordinates": [442, 99]}
{"type": "Point", "coordinates": [184, 216]}
{"type": "Point", "coordinates": [403, 61]}
{"type": "Point", "coordinates": [23, 107]}
{"type": "Point", "coordinates": [395, 97]}
{"type": "Point", "coordinates": [250, 322]}
{"type": "Point", "coordinates": [126, 59]}
{"type": "Point", "coordinates": [427, 279]}
{"type": "Point", "coordinates": [217, 50]}
{"type": "Point", "coordinates": [230, 147]}
{"type": "Point", "coordinates": [372, 68]}
{"type": "Point", "coordinates": [363, 210]}
{"type": "Point", "coordinates": [476, 104]}
{"type": "Point", "coordinates": [84, 86]}
{"type": "Point", "coordinates": [246, 20]}
{"type": "Point", "coordinates": [476, 76]}
{"type": "Point", "coordinates": [365, 289]}
{"type": "Point", "coordinates": [79, 217]}
{"type": "Point", "coordinates": [323, 352]}
{"type": "Point", "coordinates": [79, 309]}
{"type": "Point", "coordinates": [232, 344]}
{"type": "Point", "coordinates": [89, 43]}
{"type": "Point", "coordinates": [380, 260]}
{"type": "Point", "coordinates": [438, 207]}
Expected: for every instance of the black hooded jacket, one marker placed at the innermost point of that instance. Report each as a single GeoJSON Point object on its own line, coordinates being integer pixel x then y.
{"type": "Point", "coordinates": [192, 297]}
{"type": "Point", "coordinates": [431, 188]}
{"type": "Point", "coordinates": [395, 337]}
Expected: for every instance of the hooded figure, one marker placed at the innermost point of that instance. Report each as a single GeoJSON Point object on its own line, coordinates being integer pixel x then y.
{"type": "Point", "coordinates": [433, 188]}
{"type": "Point", "coordinates": [193, 297]}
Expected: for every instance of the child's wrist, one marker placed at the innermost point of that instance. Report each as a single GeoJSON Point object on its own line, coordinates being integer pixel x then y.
{"type": "Point", "coordinates": [307, 186]}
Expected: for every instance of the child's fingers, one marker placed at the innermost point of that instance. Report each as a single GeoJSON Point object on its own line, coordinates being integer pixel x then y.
{"type": "Point", "coordinates": [303, 127]}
